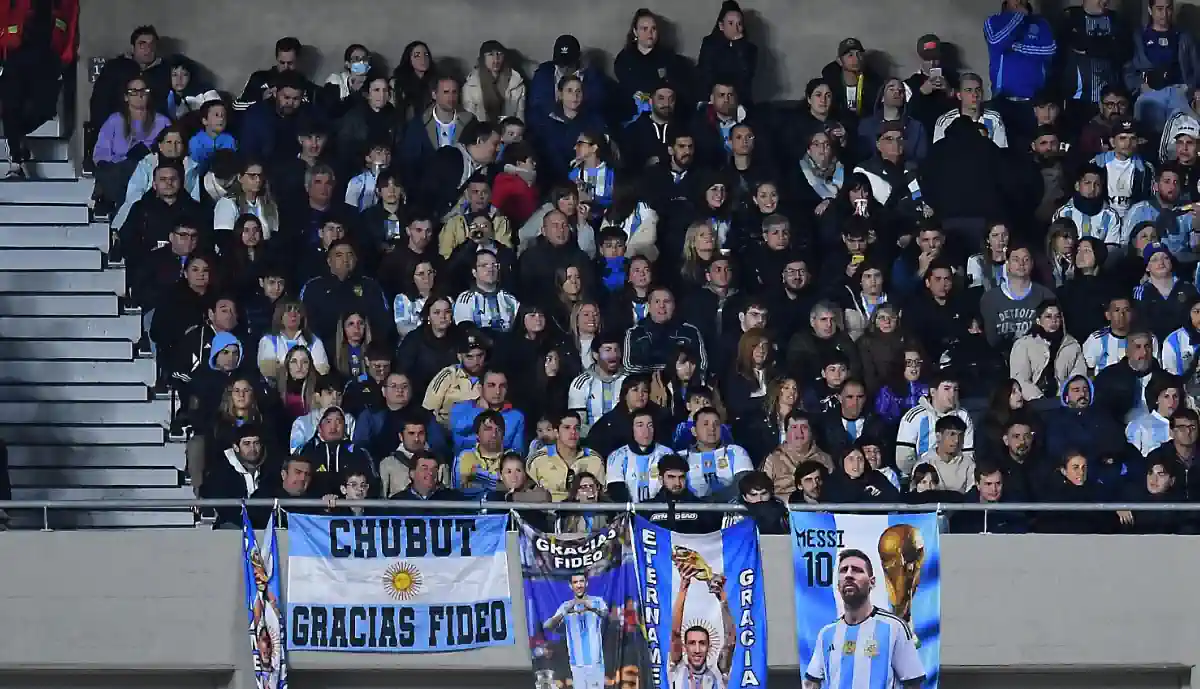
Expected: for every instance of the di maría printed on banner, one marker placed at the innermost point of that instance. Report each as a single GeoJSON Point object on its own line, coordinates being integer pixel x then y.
{"type": "Point", "coordinates": [400, 584]}
{"type": "Point", "coordinates": [581, 602]}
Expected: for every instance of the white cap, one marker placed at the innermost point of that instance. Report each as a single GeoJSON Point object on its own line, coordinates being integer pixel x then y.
{"type": "Point", "coordinates": [197, 102]}
{"type": "Point", "coordinates": [1188, 126]}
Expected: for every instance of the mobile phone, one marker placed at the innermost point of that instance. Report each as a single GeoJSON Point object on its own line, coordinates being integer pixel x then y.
{"type": "Point", "coordinates": [935, 72]}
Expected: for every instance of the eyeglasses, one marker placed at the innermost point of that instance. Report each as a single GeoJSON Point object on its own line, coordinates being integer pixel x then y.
{"type": "Point", "coordinates": [584, 142]}
{"type": "Point", "coordinates": [1112, 103]}
{"type": "Point", "coordinates": [1191, 427]}
{"type": "Point", "coordinates": [913, 362]}
{"type": "Point", "coordinates": [137, 92]}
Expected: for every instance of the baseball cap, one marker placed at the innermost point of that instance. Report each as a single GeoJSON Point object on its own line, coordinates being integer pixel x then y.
{"type": "Point", "coordinates": [890, 127]}
{"type": "Point", "coordinates": [492, 46]}
{"type": "Point", "coordinates": [1189, 127]}
{"type": "Point", "coordinates": [929, 47]}
{"type": "Point", "coordinates": [850, 44]}
{"type": "Point", "coordinates": [1125, 126]}
{"type": "Point", "coordinates": [471, 341]}
{"type": "Point", "coordinates": [566, 50]}
{"type": "Point", "coordinates": [1156, 248]}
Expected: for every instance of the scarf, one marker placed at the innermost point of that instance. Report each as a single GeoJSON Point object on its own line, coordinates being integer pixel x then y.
{"type": "Point", "coordinates": [825, 181]}
{"type": "Point", "coordinates": [1089, 207]}
{"type": "Point", "coordinates": [493, 89]}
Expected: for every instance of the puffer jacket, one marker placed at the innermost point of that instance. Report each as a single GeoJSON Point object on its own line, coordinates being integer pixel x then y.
{"type": "Point", "coordinates": [1030, 356]}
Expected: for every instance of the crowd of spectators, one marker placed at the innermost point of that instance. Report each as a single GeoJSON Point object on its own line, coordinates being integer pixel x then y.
{"type": "Point", "coordinates": [644, 282]}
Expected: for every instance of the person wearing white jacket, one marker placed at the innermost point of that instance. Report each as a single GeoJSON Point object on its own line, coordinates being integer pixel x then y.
{"type": "Point", "coordinates": [1045, 359]}
{"type": "Point", "coordinates": [494, 90]}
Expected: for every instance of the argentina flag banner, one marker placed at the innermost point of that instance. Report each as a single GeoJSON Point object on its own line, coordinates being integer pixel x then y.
{"type": "Point", "coordinates": [703, 602]}
{"type": "Point", "coordinates": [582, 609]}
{"type": "Point", "coordinates": [397, 584]}
{"type": "Point", "coordinates": [261, 562]}
{"type": "Point", "coordinates": [868, 599]}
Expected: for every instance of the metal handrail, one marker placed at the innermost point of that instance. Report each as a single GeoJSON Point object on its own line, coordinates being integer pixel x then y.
{"type": "Point", "coordinates": [474, 505]}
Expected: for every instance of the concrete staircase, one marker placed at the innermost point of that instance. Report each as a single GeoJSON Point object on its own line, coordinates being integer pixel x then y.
{"type": "Point", "coordinates": [76, 402]}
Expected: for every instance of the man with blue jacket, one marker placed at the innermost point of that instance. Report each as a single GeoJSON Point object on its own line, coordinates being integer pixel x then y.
{"type": "Point", "coordinates": [493, 396]}
{"type": "Point", "coordinates": [1021, 48]}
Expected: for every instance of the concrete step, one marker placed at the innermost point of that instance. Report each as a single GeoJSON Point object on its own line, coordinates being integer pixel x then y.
{"type": "Point", "coordinates": [42, 214]}
{"type": "Point", "coordinates": [48, 259]}
{"type": "Point", "coordinates": [51, 129]}
{"type": "Point", "coordinates": [136, 371]}
{"type": "Point", "coordinates": [93, 236]}
{"type": "Point", "coordinates": [42, 150]}
{"type": "Point", "coordinates": [47, 170]}
{"type": "Point", "coordinates": [66, 520]}
{"type": "Point", "coordinates": [60, 350]}
{"type": "Point", "coordinates": [74, 392]}
{"type": "Point", "coordinates": [59, 305]}
{"type": "Point", "coordinates": [156, 412]}
{"type": "Point", "coordinates": [127, 328]}
{"type": "Point", "coordinates": [107, 281]}
{"type": "Point", "coordinates": [54, 193]}
{"type": "Point", "coordinates": [100, 456]}
{"type": "Point", "coordinates": [94, 478]}
{"type": "Point", "coordinates": [41, 434]}
{"type": "Point", "coordinates": [117, 493]}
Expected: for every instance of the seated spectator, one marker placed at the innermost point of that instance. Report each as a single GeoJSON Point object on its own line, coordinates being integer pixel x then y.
{"type": "Point", "coordinates": [615, 429]}
{"type": "Point", "coordinates": [557, 134]}
{"type": "Point", "coordinates": [1044, 360]}
{"type": "Point", "coordinates": [1163, 483]}
{"type": "Point", "coordinates": [353, 483]}
{"type": "Point", "coordinates": [259, 303]}
{"type": "Point", "coordinates": [566, 62]}
{"type": "Point", "coordinates": [365, 392]}
{"type": "Point", "coordinates": [881, 347]}
{"type": "Point", "coordinates": [1108, 345]}
{"type": "Point", "coordinates": [159, 211]}
{"type": "Point", "coordinates": [1148, 431]}
{"type": "Point", "coordinates": [850, 420]}
{"type": "Point", "coordinates": [585, 488]}
{"type": "Point", "coordinates": [632, 469]}
{"type": "Point", "coordinates": [594, 392]}
{"type": "Point", "coordinates": [351, 341]}
{"type": "Point", "coordinates": [1117, 385]}
{"type": "Point", "coordinates": [413, 79]}
{"type": "Point", "coordinates": [1070, 483]}
{"type": "Point", "coordinates": [904, 386]}
{"type": "Point", "coordinates": [1086, 294]}
{"type": "Point", "coordinates": [1056, 266]}
{"type": "Point", "coordinates": [344, 291]}
{"type": "Point", "coordinates": [873, 449]}
{"type": "Point", "coordinates": [855, 87]}
{"type": "Point", "coordinates": [431, 347]}
{"type": "Point", "coordinates": [410, 302]}
{"type": "Point", "coordinates": [987, 268]}
{"type": "Point", "coordinates": [762, 431]}
{"type": "Point", "coordinates": [384, 222]}
{"type": "Point", "coordinates": [856, 481]}
{"type": "Point", "coordinates": [477, 200]}
{"type": "Point", "coordinates": [295, 381]}
{"type": "Point", "coordinates": [142, 61]}
{"type": "Point", "coordinates": [289, 177]}
{"type": "Point", "coordinates": [239, 406]}
{"type": "Point", "coordinates": [673, 472]}
{"type": "Point", "coordinates": [272, 128]}
{"type": "Point", "coordinates": [214, 118]}
{"type": "Point", "coordinates": [810, 347]}
{"type": "Point", "coordinates": [515, 192]}
{"type": "Point", "coordinates": [494, 396]}
{"type": "Point", "coordinates": [1179, 348]}
{"type": "Point", "coordinates": [699, 398]}
{"type": "Point", "coordinates": [361, 191]}
{"type": "Point", "coordinates": [326, 394]}
{"type": "Point", "coordinates": [289, 329]}
{"type": "Point", "coordinates": [296, 481]}
{"type": "Point", "coordinates": [1007, 311]}
{"type": "Point", "coordinates": [206, 385]}
{"type": "Point", "coordinates": [797, 449]}
{"type": "Point", "coordinates": [351, 79]}
{"type": "Point", "coordinates": [151, 286]}
{"type": "Point", "coordinates": [247, 464]}
{"type": "Point", "coordinates": [1090, 212]}
{"type": "Point", "coordinates": [370, 130]}
{"type": "Point", "coordinates": [331, 451]}
{"type": "Point", "coordinates": [457, 382]}
{"type": "Point", "coordinates": [809, 482]}
{"type": "Point", "coordinates": [1181, 446]}
{"type": "Point", "coordinates": [971, 106]}
{"type": "Point", "coordinates": [187, 339]}
{"type": "Point", "coordinates": [1122, 162]}
{"type": "Point", "coordinates": [592, 171]}
{"type": "Point", "coordinates": [397, 466]}
{"type": "Point", "coordinates": [891, 108]}
{"type": "Point", "coordinates": [494, 90]}
{"type": "Point", "coordinates": [188, 297]}
{"type": "Point", "coordinates": [426, 483]}
{"type": "Point", "coordinates": [989, 488]}
{"type": "Point", "coordinates": [261, 84]}
{"type": "Point", "coordinates": [555, 466]}
{"type": "Point", "coordinates": [955, 469]}
{"type": "Point", "coordinates": [918, 426]}
{"type": "Point", "coordinates": [477, 470]}
{"type": "Point", "coordinates": [486, 305]}
{"type": "Point", "coordinates": [515, 486]}
{"type": "Point", "coordinates": [170, 148]}
{"type": "Point", "coordinates": [821, 395]}
{"type": "Point", "coordinates": [1163, 301]}
{"type": "Point", "coordinates": [388, 426]}
{"type": "Point", "coordinates": [643, 142]}
{"type": "Point", "coordinates": [769, 513]}
{"type": "Point", "coordinates": [645, 62]}
{"type": "Point", "coordinates": [442, 125]}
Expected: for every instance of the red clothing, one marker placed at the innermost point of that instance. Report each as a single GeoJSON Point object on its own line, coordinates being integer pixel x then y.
{"type": "Point", "coordinates": [64, 34]}
{"type": "Point", "coordinates": [515, 199]}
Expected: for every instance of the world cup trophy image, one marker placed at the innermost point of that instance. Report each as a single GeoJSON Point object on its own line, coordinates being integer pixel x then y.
{"type": "Point", "coordinates": [901, 553]}
{"type": "Point", "coordinates": [686, 559]}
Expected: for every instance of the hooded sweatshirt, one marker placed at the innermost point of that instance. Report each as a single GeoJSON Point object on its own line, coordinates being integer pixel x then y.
{"type": "Point", "coordinates": [304, 429]}
{"type": "Point", "coordinates": [916, 435]}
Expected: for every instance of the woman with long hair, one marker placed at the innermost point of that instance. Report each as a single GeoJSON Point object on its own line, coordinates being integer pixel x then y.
{"type": "Point", "coordinates": [700, 247]}
{"type": "Point", "coordinates": [593, 171]}
{"type": "Point", "coordinates": [295, 381]}
{"type": "Point", "coordinates": [353, 338]}
{"type": "Point", "coordinates": [904, 386]}
{"type": "Point", "coordinates": [494, 90]}
{"type": "Point", "coordinates": [289, 329]}
{"type": "Point", "coordinates": [1085, 296]}
{"type": "Point", "coordinates": [635, 217]}
{"type": "Point", "coordinates": [251, 194]}
{"type": "Point", "coordinates": [412, 80]}
{"type": "Point", "coordinates": [881, 347]}
{"type": "Point", "coordinates": [669, 388]}
{"type": "Point", "coordinates": [762, 432]}
{"type": "Point", "coordinates": [184, 304]}
{"type": "Point", "coordinates": [545, 382]}
{"type": "Point", "coordinates": [1058, 264]}
{"type": "Point", "coordinates": [987, 268]}
{"type": "Point", "coordinates": [533, 332]}
{"type": "Point", "coordinates": [746, 384]}
{"type": "Point", "coordinates": [410, 302]}
{"type": "Point", "coordinates": [645, 62]}
{"type": "Point", "coordinates": [126, 137]}
{"type": "Point", "coordinates": [239, 406]}
{"type": "Point", "coordinates": [615, 428]}
{"type": "Point", "coordinates": [1006, 400]}
{"type": "Point", "coordinates": [627, 307]}
{"type": "Point", "coordinates": [1047, 357]}
{"type": "Point", "coordinates": [854, 199]}
{"type": "Point", "coordinates": [569, 292]}
{"type": "Point", "coordinates": [431, 347]}
{"type": "Point", "coordinates": [586, 324]}
{"type": "Point", "coordinates": [584, 488]}
{"type": "Point", "coordinates": [245, 251]}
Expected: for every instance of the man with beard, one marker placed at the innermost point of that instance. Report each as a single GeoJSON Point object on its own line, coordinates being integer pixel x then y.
{"type": "Point", "coordinates": [1047, 178]}
{"type": "Point", "coordinates": [666, 182]}
{"type": "Point", "coordinates": [849, 645]}
{"type": "Point", "coordinates": [1174, 226]}
{"type": "Point", "coordinates": [789, 297]}
{"type": "Point", "coordinates": [1079, 425]}
{"type": "Point", "coordinates": [584, 618]}
{"type": "Point", "coordinates": [1120, 388]}
{"type": "Point", "coordinates": [270, 128]}
{"type": "Point", "coordinates": [645, 139]}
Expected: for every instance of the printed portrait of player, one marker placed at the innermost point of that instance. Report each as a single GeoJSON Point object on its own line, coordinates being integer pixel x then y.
{"type": "Point", "coordinates": [867, 646]}
{"type": "Point", "coordinates": [583, 619]}
{"type": "Point", "coordinates": [691, 648]}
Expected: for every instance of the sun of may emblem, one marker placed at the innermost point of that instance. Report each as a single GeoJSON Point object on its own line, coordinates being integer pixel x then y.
{"type": "Point", "coordinates": [402, 581]}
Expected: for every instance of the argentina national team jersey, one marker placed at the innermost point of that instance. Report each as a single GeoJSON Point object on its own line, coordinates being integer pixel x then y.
{"type": "Point", "coordinates": [584, 631]}
{"type": "Point", "coordinates": [878, 653]}
{"type": "Point", "coordinates": [713, 471]}
{"type": "Point", "coordinates": [638, 472]}
{"type": "Point", "coordinates": [682, 677]}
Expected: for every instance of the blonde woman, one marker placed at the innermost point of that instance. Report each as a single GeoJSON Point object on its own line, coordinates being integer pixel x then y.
{"type": "Point", "coordinates": [699, 249]}
{"type": "Point", "coordinates": [296, 382]}
{"type": "Point", "coordinates": [289, 328]}
{"type": "Point", "coordinates": [251, 194]}
{"type": "Point", "coordinates": [586, 325]}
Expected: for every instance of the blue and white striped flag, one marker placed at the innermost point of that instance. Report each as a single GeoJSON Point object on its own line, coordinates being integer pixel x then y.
{"type": "Point", "coordinates": [702, 594]}
{"type": "Point", "coordinates": [398, 584]}
{"type": "Point", "coordinates": [262, 605]}
{"type": "Point", "coordinates": [899, 639]}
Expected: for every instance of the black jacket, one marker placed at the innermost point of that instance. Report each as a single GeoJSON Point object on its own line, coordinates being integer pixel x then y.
{"type": "Point", "coordinates": [771, 517]}
{"type": "Point", "coordinates": [642, 140]}
{"type": "Point", "coordinates": [223, 481]}
{"type": "Point", "coordinates": [641, 73]}
{"type": "Point", "coordinates": [274, 491]}
{"type": "Point", "coordinates": [260, 82]}
{"type": "Point", "coordinates": [965, 175]}
{"type": "Point", "coordinates": [736, 61]}
{"type": "Point", "coordinates": [710, 143]}
{"type": "Point", "coordinates": [1083, 299]}
{"type": "Point", "coordinates": [1117, 387]}
{"type": "Point", "coordinates": [868, 96]}
{"type": "Point", "coordinates": [328, 298]}
{"type": "Point", "coordinates": [156, 278]}
{"type": "Point", "coordinates": [937, 326]}
{"type": "Point", "coordinates": [806, 353]}
{"type": "Point", "coordinates": [835, 440]}
{"type": "Point", "coordinates": [679, 519]}
{"type": "Point", "coordinates": [421, 355]}
{"type": "Point", "coordinates": [1058, 489]}
{"type": "Point", "coordinates": [615, 429]}
{"type": "Point", "coordinates": [540, 262]}
{"type": "Point", "coordinates": [650, 346]}
{"type": "Point", "coordinates": [842, 488]}
{"type": "Point", "coordinates": [151, 221]}
{"type": "Point", "coordinates": [329, 459]}
{"type": "Point", "coordinates": [996, 521]}
{"type": "Point", "coordinates": [441, 179]}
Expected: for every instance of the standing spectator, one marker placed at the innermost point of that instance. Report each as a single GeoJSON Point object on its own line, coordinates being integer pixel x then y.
{"type": "Point", "coordinates": [494, 90]}
{"type": "Point", "coordinates": [855, 90]}
{"type": "Point", "coordinates": [547, 80]}
{"type": "Point", "coordinates": [1129, 177]}
{"type": "Point", "coordinates": [1096, 44]}
{"type": "Point", "coordinates": [1160, 46]}
{"type": "Point", "coordinates": [413, 80]}
{"type": "Point", "coordinates": [727, 52]}
{"type": "Point", "coordinates": [141, 62]}
{"type": "Point", "coordinates": [1021, 49]}
{"type": "Point", "coordinates": [644, 63]}
{"type": "Point", "coordinates": [644, 140]}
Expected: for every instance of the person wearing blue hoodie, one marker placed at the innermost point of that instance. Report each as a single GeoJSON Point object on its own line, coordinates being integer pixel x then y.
{"type": "Point", "coordinates": [225, 359]}
{"type": "Point", "coordinates": [892, 107]}
{"type": "Point", "coordinates": [493, 396]}
{"type": "Point", "coordinates": [1079, 425]}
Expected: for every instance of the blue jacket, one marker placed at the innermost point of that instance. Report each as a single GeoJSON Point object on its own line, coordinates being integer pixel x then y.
{"type": "Point", "coordinates": [1020, 50]}
{"type": "Point", "coordinates": [462, 421]}
{"type": "Point", "coordinates": [202, 146]}
{"type": "Point", "coordinates": [1187, 55]}
{"type": "Point", "coordinates": [916, 139]}
{"type": "Point", "coordinates": [1089, 430]}
{"type": "Point", "coordinates": [554, 139]}
{"type": "Point", "coordinates": [543, 92]}
{"type": "Point", "coordinates": [370, 424]}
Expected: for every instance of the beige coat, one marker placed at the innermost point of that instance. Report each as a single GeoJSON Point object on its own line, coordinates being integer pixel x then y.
{"type": "Point", "coordinates": [781, 465]}
{"type": "Point", "coordinates": [514, 97]}
{"type": "Point", "coordinates": [1030, 355]}
{"type": "Point", "coordinates": [454, 232]}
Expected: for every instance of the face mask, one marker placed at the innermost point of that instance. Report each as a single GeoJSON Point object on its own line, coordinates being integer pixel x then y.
{"type": "Point", "coordinates": [359, 68]}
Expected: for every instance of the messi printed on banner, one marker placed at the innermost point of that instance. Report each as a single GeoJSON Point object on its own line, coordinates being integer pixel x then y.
{"type": "Point", "coordinates": [868, 603]}
{"type": "Point", "coordinates": [397, 584]}
{"type": "Point", "coordinates": [704, 606]}
{"type": "Point", "coordinates": [584, 619]}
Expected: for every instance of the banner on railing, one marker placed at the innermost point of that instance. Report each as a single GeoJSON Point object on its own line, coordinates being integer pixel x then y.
{"type": "Point", "coordinates": [582, 609]}
{"type": "Point", "coordinates": [882, 573]}
{"type": "Point", "coordinates": [397, 584]}
{"type": "Point", "coordinates": [703, 601]}
{"type": "Point", "coordinates": [261, 563]}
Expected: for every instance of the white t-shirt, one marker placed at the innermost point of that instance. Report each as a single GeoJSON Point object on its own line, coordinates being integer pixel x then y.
{"type": "Point", "coordinates": [1120, 184]}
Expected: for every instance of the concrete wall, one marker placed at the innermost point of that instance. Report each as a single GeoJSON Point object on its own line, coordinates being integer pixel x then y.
{"type": "Point", "coordinates": [1114, 611]}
